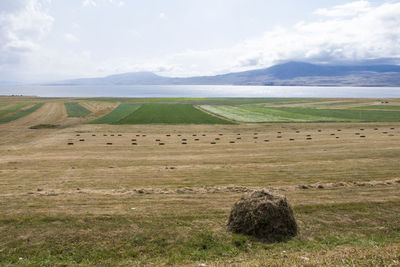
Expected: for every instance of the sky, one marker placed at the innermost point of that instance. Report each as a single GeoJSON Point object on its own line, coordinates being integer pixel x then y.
{"type": "Point", "coordinates": [48, 40]}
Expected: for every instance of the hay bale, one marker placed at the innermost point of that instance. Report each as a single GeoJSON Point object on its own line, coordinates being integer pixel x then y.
{"type": "Point", "coordinates": [264, 215]}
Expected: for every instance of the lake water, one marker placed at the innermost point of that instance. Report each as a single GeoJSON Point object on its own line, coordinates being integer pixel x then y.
{"type": "Point", "coordinates": [200, 91]}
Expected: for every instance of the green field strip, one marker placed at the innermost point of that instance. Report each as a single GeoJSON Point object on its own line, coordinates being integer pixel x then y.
{"type": "Point", "coordinates": [209, 101]}
{"type": "Point", "coordinates": [11, 109]}
{"type": "Point", "coordinates": [21, 113]}
{"type": "Point", "coordinates": [258, 114]}
{"type": "Point", "coordinates": [348, 114]}
{"type": "Point", "coordinates": [170, 114]}
{"type": "Point", "coordinates": [254, 113]}
{"type": "Point", "coordinates": [76, 110]}
{"type": "Point", "coordinates": [117, 114]}
{"type": "Point", "coordinates": [184, 100]}
{"type": "Point", "coordinates": [233, 101]}
{"type": "Point", "coordinates": [384, 107]}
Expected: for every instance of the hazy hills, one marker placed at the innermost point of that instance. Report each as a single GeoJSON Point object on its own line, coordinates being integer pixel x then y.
{"type": "Point", "coordinates": [292, 73]}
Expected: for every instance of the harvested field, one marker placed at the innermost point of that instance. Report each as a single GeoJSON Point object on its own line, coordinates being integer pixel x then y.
{"type": "Point", "coordinates": [10, 109]}
{"type": "Point", "coordinates": [20, 114]}
{"type": "Point", "coordinates": [121, 198]}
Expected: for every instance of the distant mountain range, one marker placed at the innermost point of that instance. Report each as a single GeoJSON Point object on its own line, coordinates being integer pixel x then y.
{"type": "Point", "coordinates": [287, 74]}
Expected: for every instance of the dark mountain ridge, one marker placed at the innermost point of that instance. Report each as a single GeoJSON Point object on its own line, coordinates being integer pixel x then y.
{"type": "Point", "coordinates": [291, 73]}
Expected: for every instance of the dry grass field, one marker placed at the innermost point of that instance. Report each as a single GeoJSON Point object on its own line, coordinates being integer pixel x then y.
{"type": "Point", "coordinates": [91, 194]}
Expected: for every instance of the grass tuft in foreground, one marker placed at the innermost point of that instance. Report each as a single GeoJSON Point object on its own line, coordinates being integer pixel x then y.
{"type": "Point", "coordinates": [43, 126]}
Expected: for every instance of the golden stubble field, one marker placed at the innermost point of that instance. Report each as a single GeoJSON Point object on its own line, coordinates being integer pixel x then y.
{"type": "Point", "coordinates": [96, 197]}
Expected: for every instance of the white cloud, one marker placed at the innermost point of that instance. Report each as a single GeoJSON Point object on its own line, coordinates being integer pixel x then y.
{"type": "Point", "coordinates": [87, 3]}
{"type": "Point", "coordinates": [345, 10]}
{"type": "Point", "coordinates": [69, 37]}
{"type": "Point", "coordinates": [356, 31]}
{"type": "Point", "coordinates": [23, 23]}
{"type": "Point", "coordinates": [371, 33]}
{"type": "Point", "coordinates": [95, 3]}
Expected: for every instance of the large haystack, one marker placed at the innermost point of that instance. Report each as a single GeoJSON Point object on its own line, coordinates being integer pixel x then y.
{"type": "Point", "coordinates": [264, 215]}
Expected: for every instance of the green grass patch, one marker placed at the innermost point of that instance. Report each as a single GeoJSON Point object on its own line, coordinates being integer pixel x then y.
{"type": "Point", "coordinates": [259, 100]}
{"type": "Point", "coordinates": [347, 114]}
{"type": "Point", "coordinates": [208, 101]}
{"type": "Point", "coordinates": [117, 114]}
{"type": "Point", "coordinates": [12, 109]}
{"type": "Point", "coordinates": [21, 113]}
{"type": "Point", "coordinates": [76, 110]}
{"type": "Point", "coordinates": [257, 113]}
{"type": "Point", "coordinates": [43, 126]}
{"type": "Point", "coordinates": [170, 114]}
{"type": "Point", "coordinates": [387, 107]}
{"type": "Point", "coordinates": [162, 239]}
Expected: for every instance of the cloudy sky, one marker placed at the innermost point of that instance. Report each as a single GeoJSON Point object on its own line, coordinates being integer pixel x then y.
{"type": "Point", "coordinates": [45, 40]}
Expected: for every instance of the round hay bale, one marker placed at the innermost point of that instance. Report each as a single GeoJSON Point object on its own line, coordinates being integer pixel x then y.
{"type": "Point", "coordinates": [264, 215]}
